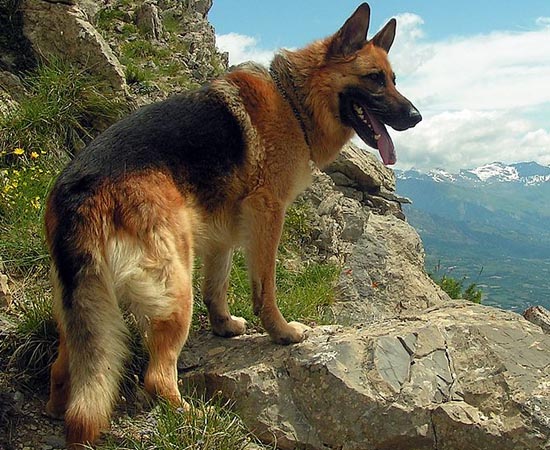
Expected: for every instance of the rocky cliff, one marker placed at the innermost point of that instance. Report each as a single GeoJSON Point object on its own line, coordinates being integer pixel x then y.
{"type": "Point", "coordinates": [403, 366]}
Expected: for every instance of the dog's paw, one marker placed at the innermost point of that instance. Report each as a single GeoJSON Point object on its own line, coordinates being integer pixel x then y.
{"type": "Point", "coordinates": [233, 326]}
{"type": "Point", "coordinates": [291, 333]}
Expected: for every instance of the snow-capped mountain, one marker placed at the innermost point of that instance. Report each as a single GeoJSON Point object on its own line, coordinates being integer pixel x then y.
{"type": "Point", "coordinates": [528, 173]}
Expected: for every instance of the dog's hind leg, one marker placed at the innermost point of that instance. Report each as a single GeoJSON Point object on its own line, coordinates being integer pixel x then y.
{"type": "Point", "coordinates": [264, 219]}
{"type": "Point", "coordinates": [157, 289]}
{"type": "Point", "coordinates": [216, 269]}
{"type": "Point", "coordinates": [164, 339]}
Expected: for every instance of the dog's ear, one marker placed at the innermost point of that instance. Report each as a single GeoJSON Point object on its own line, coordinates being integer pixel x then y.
{"type": "Point", "coordinates": [353, 34]}
{"type": "Point", "coordinates": [384, 38]}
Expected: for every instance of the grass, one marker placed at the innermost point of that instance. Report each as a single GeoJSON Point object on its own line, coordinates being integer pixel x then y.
{"type": "Point", "coordinates": [65, 107]}
{"type": "Point", "coordinates": [209, 425]}
{"type": "Point", "coordinates": [455, 288]}
{"type": "Point", "coordinates": [28, 346]}
{"type": "Point", "coordinates": [304, 293]}
{"type": "Point", "coordinates": [155, 66]}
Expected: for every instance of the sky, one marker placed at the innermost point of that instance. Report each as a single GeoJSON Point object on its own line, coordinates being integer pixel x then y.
{"type": "Point", "coordinates": [478, 71]}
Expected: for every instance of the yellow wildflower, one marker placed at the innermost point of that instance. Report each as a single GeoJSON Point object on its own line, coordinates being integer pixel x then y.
{"type": "Point", "coordinates": [34, 155]}
{"type": "Point", "coordinates": [18, 151]}
{"type": "Point", "coordinates": [35, 202]}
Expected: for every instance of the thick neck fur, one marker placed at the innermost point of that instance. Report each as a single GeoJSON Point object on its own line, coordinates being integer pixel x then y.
{"type": "Point", "coordinates": [305, 75]}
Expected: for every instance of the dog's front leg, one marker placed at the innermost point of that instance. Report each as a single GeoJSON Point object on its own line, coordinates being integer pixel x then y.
{"type": "Point", "coordinates": [216, 268]}
{"type": "Point", "coordinates": [264, 218]}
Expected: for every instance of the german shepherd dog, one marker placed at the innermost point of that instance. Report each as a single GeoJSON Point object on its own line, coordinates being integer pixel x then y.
{"type": "Point", "coordinates": [200, 173]}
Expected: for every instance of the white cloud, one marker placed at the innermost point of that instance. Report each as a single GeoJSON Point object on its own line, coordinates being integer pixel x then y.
{"type": "Point", "coordinates": [468, 138]}
{"type": "Point", "coordinates": [243, 48]}
{"type": "Point", "coordinates": [406, 54]}
{"type": "Point", "coordinates": [479, 96]}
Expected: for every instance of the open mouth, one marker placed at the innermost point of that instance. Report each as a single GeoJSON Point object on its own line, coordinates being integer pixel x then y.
{"type": "Point", "coordinates": [370, 129]}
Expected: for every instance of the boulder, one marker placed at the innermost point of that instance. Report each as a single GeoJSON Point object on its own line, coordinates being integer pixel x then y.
{"type": "Point", "coordinates": [456, 376]}
{"type": "Point", "coordinates": [539, 316]}
{"type": "Point", "coordinates": [384, 274]}
{"type": "Point", "coordinates": [362, 168]}
{"type": "Point", "coordinates": [147, 19]}
{"type": "Point", "coordinates": [381, 255]}
{"type": "Point", "coordinates": [62, 30]}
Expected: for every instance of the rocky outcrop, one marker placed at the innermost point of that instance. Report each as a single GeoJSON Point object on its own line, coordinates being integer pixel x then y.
{"type": "Point", "coordinates": [62, 30]}
{"type": "Point", "coordinates": [456, 376]}
{"type": "Point", "coordinates": [539, 316]}
{"type": "Point", "coordinates": [358, 223]}
{"type": "Point", "coordinates": [147, 19]}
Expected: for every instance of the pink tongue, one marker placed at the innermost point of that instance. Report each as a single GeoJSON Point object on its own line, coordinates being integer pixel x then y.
{"type": "Point", "coordinates": [385, 144]}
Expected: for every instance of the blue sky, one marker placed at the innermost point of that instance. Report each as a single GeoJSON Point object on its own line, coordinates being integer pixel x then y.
{"type": "Point", "coordinates": [479, 71]}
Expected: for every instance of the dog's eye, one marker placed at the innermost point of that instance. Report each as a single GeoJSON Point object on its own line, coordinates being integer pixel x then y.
{"type": "Point", "coordinates": [377, 77]}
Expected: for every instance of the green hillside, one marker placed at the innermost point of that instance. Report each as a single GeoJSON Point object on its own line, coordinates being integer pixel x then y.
{"type": "Point", "coordinates": [496, 235]}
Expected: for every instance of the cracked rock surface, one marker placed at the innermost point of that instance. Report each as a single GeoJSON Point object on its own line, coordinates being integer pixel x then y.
{"type": "Point", "coordinates": [456, 376]}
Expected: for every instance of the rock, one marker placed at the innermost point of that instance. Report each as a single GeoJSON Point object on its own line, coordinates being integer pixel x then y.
{"type": "Point", "coordinates": [12, 85]}
{"type": "Point", "coordinates": [384, 274]}
{"type": "Point", "coordinates": [539, 316]}
{"type": "Point", "coordinates": [61, 30]}
{"type": "Point", "coordinates": [456, 376]}
{"type": "Point", "coordinates": [382, 256]}
{"type": "Point", "coordinates": [10, 405]}
{"type": "Point", "coordinates": [5, 291]}
{"type": "Point", "coordinates": [147, 19]}
{"type": "Point", "coordinates": [200, 6]}
{"type": "Point", "coordinates": [363, 168]}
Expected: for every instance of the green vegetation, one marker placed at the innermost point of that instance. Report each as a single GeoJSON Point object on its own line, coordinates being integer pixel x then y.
{"type": "Point", "coordinates": [209, 425]}
{"type": "Point", "coordinates": [455, 287]}
{"type": "Point", "coordinates": [64, 107]}
{"type": "Point", "coordinates": [152, 65]}
{"type": "Point", "coordinates": [28, 344]}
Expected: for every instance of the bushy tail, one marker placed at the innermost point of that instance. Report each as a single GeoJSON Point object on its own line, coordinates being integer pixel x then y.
{"type": "Point", "coordinates": [96, 340]}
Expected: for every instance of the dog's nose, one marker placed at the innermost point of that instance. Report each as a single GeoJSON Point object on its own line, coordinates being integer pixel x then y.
{"type": "Point", "coordinates": [414, 116]}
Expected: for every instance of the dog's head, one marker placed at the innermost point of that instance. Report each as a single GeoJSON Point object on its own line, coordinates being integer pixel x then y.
{"type": "Point", "coordinates": [364, 82]}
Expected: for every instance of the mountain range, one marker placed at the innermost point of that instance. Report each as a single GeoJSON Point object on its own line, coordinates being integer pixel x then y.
{"type": "Point", "coordinates": [489, 225]}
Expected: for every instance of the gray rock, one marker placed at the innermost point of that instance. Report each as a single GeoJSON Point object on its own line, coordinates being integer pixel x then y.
{"type": "Point", "coordinates": [147, 19]}
{"type": "Point", "coordinates": [363, 168]}
{"type": "Point", "coordinates": [384, 274]}
{"type": "Point", "coordinates": [62, 30]}
{"type": "Point", "coordinates": [200, 6]}
{"type": "Point", "coordinates": [539, 316]}
{"type": "Point", "coordinates": [457, 376]}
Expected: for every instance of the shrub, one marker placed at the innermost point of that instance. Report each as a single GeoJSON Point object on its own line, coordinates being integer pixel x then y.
{"type": "Point", "coordinates": [455, 288]}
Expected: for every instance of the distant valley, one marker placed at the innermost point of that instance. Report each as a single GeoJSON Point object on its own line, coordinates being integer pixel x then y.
{"type": "Point", "coordinates": [489, 225]}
